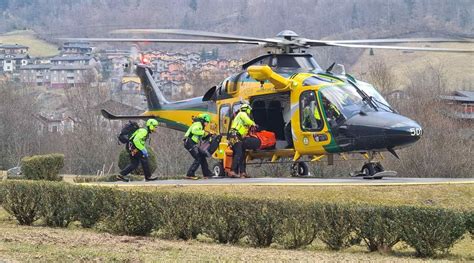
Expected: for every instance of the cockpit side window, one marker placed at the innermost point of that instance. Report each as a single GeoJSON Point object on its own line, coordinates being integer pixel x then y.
{"type": "Point", "coordinates": [310, 115]}
{"type": "Point", "coordinates": [224, 118]}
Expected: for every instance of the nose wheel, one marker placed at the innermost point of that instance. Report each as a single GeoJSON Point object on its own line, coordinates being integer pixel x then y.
{"type": "Point", "coordinates": [372, 170]}
{"type": "Point", "coordinates": [299, 169]}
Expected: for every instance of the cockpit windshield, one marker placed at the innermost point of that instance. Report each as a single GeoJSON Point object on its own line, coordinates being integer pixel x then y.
{"type": "Point", "coordinates": [345, 98]}
{"type": "Point", "coordinates": [379, 101]}
{"type": "Point", "coordinates": [349, 102]}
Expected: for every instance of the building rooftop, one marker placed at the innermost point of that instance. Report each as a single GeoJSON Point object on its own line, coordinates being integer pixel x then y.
{"type": "Point", "coordinates": [70, 58]}
{"type": "Point", "coordinates": [10, 46]}
{"type": "Point", "coordinates": [460, 95]}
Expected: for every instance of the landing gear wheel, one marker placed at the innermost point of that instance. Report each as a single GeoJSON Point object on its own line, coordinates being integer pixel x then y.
{"type": "Point", "coordinates": [218, 169]}
{"type": "Point", "coordinates": [299, 169]}
{"type": "Point", "coordinates": [370, 170]}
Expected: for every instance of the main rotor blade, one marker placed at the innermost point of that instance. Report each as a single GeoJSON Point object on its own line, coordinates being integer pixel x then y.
{"type": "Point", "coordinates": [400, 40]}
{"type": "Point", "coordinates": [404, 48]}
{"type": "Point", "coordinates": [193, 33]}
{"type": "Point", "coordinates": [165, 40]}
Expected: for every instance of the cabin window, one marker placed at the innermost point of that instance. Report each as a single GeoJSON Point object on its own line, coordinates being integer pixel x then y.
{"type": "Point", "coordinates": [311, 118]}
{"type": "Point", "coordinates": [224, 118]}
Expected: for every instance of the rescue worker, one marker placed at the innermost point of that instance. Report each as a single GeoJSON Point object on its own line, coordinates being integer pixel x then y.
{"type": "Point", "coordinates": [311, 116]}
{"type": "Point", "coordinates": [192, 139]}
{"type": "Point", "coordinates": [239, 130]}
{"type": "Point", "coordinates": [138, 152]}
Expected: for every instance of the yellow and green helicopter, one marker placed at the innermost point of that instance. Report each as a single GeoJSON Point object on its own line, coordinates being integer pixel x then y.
{"type": "Point", "coordinates": [314, 113]}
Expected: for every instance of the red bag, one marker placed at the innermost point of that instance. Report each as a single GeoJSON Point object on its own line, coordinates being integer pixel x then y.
{"type": "Point", "coordinates": [267, 139]}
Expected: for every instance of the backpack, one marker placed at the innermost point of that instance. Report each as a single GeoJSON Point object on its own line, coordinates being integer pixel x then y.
{"type": "Point", "coordinates": [127, 131]}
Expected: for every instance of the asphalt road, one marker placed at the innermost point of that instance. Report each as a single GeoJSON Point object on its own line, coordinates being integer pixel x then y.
{"type": "Point", "coordinates": [301, 181]}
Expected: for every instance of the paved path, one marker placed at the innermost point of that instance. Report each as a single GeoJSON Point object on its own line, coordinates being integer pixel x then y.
{"type": "Point", "coordinates": [301, 181]}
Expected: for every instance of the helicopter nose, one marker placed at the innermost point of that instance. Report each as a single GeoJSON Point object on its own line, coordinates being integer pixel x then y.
{"type": "Point", "coordinates": [403, 132]}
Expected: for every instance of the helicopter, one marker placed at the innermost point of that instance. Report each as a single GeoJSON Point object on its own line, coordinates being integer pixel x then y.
{"type": "Point", "coordinates": [281, 86]}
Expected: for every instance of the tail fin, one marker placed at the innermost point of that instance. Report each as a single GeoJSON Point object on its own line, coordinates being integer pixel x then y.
{"type": "Point", "coordinates": [154, 96]}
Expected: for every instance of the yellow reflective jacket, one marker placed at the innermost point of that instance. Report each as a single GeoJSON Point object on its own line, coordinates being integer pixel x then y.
{"type": "Point", "coordinates": [195, 131]}
{"type": "Point", "coordinates": [242, 123]}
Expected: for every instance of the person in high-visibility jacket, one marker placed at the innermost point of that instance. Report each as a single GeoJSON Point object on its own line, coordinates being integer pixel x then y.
{"type": "Point", "coordinates": [240, 128]}
{"type": "Point", "coordinates": [138, 152]}
{"type": "Point", "coordinates": [192, 138]}
{"type": "Point", "coordinates": [311, 116]}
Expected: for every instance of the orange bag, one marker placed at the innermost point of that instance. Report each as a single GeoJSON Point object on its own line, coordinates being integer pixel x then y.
{"type": "Point", "coordinates": [267, 139]}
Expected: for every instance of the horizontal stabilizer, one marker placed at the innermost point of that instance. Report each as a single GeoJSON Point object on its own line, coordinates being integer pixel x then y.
{"type": "Point", "coordinates": [110, 116]}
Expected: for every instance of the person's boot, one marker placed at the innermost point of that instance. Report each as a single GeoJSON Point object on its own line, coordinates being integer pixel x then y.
{"type": "Point", "coordinates": [233, 174]}
{"type": "Point", "coordinates": [151, 179]}
{"type": "Point", "coordinates": [123, 178]}
{"type": "Point", "coordinates": [244, 175]}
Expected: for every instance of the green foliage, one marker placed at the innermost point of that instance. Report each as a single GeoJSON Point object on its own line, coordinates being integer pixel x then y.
{"type": "Point", "coordinates": [289, 223]}
{"type": "Point", "coordinates": [182, 215]}
{"type": "Point", "coordinates": [430, 230]}
{"type": "Point", "coordinates": [43, 167]}
{"type": "Point", "coordinates": [134, 214]}
{"type": "Point", "coordinates": [124, 160]}
{"type": "Point", "coordinates": [379, 227]}
{"type": "Point", "coordinates": [297, 226]}
{"type": "Point", "coordinates": [22, 200]}
{"type": "Point", "coordinates": [92, 204]}
{"type": "Point", "coordinates": [469, 217]}
{"type": "Point", "coordinates": [57, 204]}
{"type": "Point", "coordinates": [224, 219]}
{"type": "Point", "coordinates": [338, 224]}
{"type": "Point", "coordinates": [261, 221]}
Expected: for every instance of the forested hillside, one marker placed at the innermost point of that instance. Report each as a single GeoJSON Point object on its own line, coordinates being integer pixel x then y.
{"type": "Point", "coordinates": [311, 18]}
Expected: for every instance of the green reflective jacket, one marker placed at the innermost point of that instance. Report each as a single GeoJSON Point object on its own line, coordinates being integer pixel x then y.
{"type": "Point", "coordinates": [242, 123]}
{"type": "Point", "coordinates": [196, 131]}
{"type": "Point", "coordinates": [139, 137]}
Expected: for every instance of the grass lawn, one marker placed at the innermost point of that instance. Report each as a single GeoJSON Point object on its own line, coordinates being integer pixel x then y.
{"type": "Point", "coordinates": [28, 38]}
{"type": "Point", "coordinates": [42, 244]}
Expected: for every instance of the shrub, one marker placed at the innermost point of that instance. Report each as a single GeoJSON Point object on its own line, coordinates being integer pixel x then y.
{"type": "Point", "coordinates": [43, 167]}
{"type": "Point", "coordinates": [297, 226]}
{"type": "Point", "coordinates": [92, 204]}
{"type": "Point", "coordinates": [261, 221]}
{"type": "Point", "coordinates": [224, 218]}
{"type": "Point", "coordinates": [56, 206]}
{"type": "Point", "coordinates": [430, 230]}
{"type": "Point", "coordinates": [338, 224]}
{"type": "Point", "coordinates": [124, 160]}
{"type": "Point", "coordinates": [469, 217]}
{"type": "Point", "coordinates": [182, 215]}
{"type": "Point", "coordinates": [22, 200]}
{"type": "Point", "coordinates": [134, 214]}
{"type": "Point", "coordinates": [379, 227]}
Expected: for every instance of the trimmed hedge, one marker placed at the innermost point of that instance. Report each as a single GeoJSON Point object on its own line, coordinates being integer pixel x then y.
{"type": "Point", "coordinates": [430, 230]}
{"type": "Point", "coordinates": [43, 167]}
{"type": "Point", "coordinates": [124, 160]}
{"type": "Point", "coordinates": [287, 223]}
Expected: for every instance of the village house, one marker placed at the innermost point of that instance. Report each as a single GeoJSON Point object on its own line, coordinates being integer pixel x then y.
{"type": "Point", "coordinates": [36, 75]}
{"type": "Point", "coordinates": [65, 76]}
{"type": "Point", "coordinates": [13, 49]}
{"type": "Point", "coordinates": [12, 62]}
{"type": "Point", "coordinates": [460, 104]}
{"type": "Point", "coordinates": [74, 60]}
{"type": "Point", "coordinates": [76, 48]}
{"type": "Point", "coordinates": [130, 85]}
{"type": "Point", "coordinates": [55, 124]}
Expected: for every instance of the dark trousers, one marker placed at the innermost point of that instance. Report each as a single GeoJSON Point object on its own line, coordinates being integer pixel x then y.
{"type": "Point", "coordinates": [134, 162]}
{"type": "Point", "coordinates": [288, 135]}
{"type": "Point", "coordinates": [238, 157]}
{"type": "Point", "coordinates": [199, 159]}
